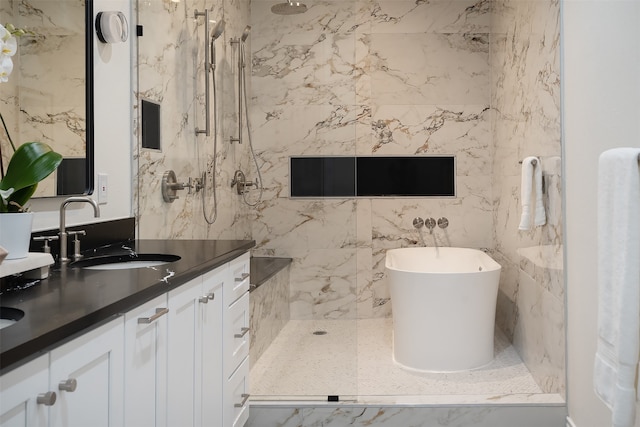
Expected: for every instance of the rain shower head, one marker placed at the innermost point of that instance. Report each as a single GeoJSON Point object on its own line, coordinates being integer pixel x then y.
{"type": "Point", "coordinates": [245, 33]}
{"type": "Point", "coordinates": [217, 30]}
{"type": "Point", "coordinates": [289, 8]}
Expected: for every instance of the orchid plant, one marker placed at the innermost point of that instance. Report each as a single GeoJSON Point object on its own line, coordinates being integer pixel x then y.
{"type": "Point", "coordinates": [31, 162]}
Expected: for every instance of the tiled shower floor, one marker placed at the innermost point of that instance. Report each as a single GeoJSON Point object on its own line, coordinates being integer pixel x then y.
{"type": "Point", "coordinates": [353, 360]}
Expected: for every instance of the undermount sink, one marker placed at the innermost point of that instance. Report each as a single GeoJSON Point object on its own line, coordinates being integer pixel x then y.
{"type": "Point", "coordinates": [9, 316]}
{"type": "Point", "coordinates": [124, 262]}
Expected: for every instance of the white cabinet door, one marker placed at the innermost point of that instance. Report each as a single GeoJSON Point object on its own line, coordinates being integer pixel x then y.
{"type": "Point", "coordinates": [211, 378]}
{"type": "Point", "coordinates": [183, 328]}
{"type": "Point", "coordinates": [87, 374]}
{"type": "Point", "coordinates": [19, 392]}
{"type": "Point", "coordinates": [145, 364]}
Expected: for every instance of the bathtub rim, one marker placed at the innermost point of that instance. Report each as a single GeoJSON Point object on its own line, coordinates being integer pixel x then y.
{"type": "Point", "coordinates": [489, 264]}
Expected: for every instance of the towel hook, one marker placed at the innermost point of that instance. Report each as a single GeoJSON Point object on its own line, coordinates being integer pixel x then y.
{"type": "Point", "coordinates": [533, 162]}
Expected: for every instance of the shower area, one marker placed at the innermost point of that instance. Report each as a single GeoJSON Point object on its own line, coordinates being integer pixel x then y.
{"type": "Point", "coordinates": [475, 79]}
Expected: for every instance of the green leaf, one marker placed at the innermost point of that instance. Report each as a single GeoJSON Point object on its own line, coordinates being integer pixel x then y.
{"type": "Point", "coordinates": [31, 163]}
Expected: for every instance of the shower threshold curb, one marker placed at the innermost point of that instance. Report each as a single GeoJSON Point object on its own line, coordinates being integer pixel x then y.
{"type": "Point", "coordinates": [538, 399]}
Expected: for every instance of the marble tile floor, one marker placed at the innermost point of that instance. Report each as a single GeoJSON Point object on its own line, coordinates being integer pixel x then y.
{"type": "Point", "coordinates": [352, 359]}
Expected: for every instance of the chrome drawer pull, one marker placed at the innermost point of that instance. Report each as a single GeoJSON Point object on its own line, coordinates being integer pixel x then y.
{"type": "Point", "coordinates": [245, 397]}
{"type": "Point", "coordinates": [242, 333]}
{"type": "Point", "coordinates": [68, 385]}
{"type": "Point", "coordinates": [243, 277]}
{"type": "Point", "coordinates": [47, 399]}
{"type": "Point", "coordinates": [159, 313]}
{"type": "Point", "coordinates": [211, 296]}
{"type": "Point", "coordinates": [204, 299]}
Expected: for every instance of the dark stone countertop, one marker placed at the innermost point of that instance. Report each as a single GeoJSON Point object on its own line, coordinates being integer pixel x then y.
{"type": "Point", "coordinates": [73, 301]}
{"type": "Point", "coordinates": [264, 268]}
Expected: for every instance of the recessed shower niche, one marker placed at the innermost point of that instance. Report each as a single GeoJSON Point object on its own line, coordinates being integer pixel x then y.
{"type": "Point", "coordinates": [372, 176]}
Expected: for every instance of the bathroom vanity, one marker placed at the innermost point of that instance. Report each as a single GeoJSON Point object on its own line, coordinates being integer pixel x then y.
{"type": "Point", "coordinates": [156, 346]}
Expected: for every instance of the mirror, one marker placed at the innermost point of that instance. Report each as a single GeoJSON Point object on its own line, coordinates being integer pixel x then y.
{"type": "Point", "coordinates": [49, 94]}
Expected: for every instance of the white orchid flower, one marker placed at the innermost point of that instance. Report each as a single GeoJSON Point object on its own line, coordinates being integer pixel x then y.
{"type": "Point", "coordinates": [5, 194]}
{"type": "Point", "coordinates": [8, 43]}
{"type": "Point", "coordinates": [6, 67]}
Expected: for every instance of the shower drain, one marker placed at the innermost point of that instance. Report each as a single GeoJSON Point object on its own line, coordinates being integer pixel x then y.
{"type": "Point", "coordinates": [319, 332]}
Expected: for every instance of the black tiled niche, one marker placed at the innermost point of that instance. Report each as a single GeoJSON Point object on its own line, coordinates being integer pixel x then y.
{"type": "Point", "coordinates": [372, 176]}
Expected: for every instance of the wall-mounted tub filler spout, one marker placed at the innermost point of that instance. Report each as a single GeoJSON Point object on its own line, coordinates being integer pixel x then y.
{"type": "Point", "coordinates": [430, 223]}
{"type": "Point", "coordinates": [63, 229]}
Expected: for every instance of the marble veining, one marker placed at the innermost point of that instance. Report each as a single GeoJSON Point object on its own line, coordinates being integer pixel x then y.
{"type": "Point", "coordinates": [170, 71]}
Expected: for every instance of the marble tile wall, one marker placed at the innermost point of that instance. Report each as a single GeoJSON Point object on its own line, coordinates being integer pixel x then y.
{"type": "Point", "coordinates": [368, 77]}
{"type": "Point", "coordinates": [44, 98]}
{"type": "Point", "coordinates": [525, 68]}
{"type": "Point", "coordinates": [269, 313]}
{"type": "Point", "coordinates": [170, 71]}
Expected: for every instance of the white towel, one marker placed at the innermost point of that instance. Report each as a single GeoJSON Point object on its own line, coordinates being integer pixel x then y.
{"type": "Point", "coordinates": [618, 283]}
{"type": "Point", "coordinates": [531, 178]}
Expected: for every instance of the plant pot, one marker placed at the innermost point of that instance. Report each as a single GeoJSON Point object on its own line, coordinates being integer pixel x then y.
{"type": "Point", "coordinates": [15, 233]}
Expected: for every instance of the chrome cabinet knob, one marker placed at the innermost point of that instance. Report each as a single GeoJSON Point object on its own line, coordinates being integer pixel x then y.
{"type": "Point", "coordinates": [47, 399]}
{"type": "Point", "coordinates": [68, 385]}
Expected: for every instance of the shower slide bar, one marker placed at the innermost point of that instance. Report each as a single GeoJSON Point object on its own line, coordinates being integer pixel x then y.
{"type": "Point", "coordinates": [207, 67]}
{"type": "Point", "coordinates": [241, 65]}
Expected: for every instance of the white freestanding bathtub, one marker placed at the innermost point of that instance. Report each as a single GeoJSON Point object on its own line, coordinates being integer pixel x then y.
{"type": "Point", "coordinates": [444, 303]}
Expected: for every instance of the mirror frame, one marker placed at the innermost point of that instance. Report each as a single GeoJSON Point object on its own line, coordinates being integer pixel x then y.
{"type": "Point", "coordinates": [89, 97]}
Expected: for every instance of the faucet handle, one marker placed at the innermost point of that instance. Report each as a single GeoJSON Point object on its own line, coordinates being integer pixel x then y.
{"type": "Point", "coordinates": [418, 222]}
{"type": "Point", "coordinates": [443, 222]}
{"type": "Point", "coordinates": [77, 233]}
{"type": "Point", "coordinates": [46, 239]}
{"type": "Point", "coordinates": [76, 243]}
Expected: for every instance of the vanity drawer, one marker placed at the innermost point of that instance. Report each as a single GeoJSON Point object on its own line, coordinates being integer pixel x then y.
{"type": "Point", "coordinates": [239, 278]}
{"type": "Point", "coordinates": [237, 342]}
{"type": "Point", "coordinates": [237, 408]}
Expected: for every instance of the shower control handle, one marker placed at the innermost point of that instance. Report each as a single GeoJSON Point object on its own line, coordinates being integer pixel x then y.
{"type": "Point", "coordinates": [443, 222]}
{"type": "Point", "coordinates": [418, 222]}
{"type": "Point", "coordinates": [430, 223]}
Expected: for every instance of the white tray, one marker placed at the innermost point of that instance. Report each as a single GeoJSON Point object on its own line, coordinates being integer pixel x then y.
{"type": "Point", "coordinates": [36, 263]}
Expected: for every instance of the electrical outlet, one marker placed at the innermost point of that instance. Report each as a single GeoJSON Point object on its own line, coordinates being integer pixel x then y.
{"type": "Point", "coordinates": [102, 188]}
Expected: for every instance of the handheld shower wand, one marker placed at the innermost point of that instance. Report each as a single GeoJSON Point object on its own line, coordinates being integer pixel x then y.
{"type": "Point", "coordinates": [215, 34]}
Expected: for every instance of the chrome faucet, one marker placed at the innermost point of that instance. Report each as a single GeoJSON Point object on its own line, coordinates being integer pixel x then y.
{"type": "Point", "coordinates": [63, 230]}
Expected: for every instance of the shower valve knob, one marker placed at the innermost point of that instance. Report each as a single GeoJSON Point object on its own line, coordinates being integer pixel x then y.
{"type": "Point", "coordinates": [430, 223]}
{"type": "Point", "coordinates": [418, 222]}
{"type": "Point", "coordinates": [443, 222]}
